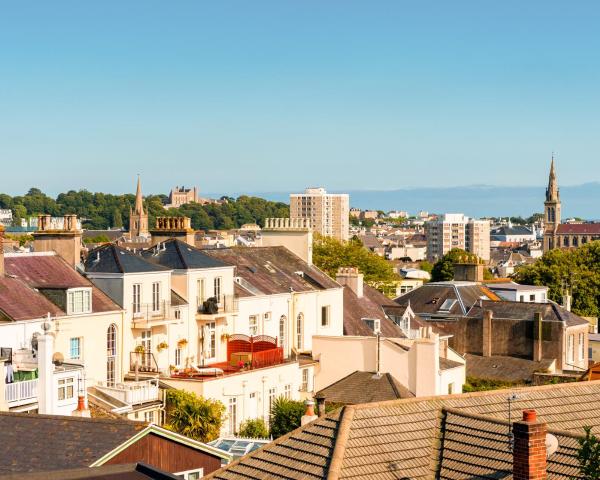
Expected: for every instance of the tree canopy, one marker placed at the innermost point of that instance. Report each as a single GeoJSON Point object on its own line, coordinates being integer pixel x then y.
{"type": "Point", "coordinates": [329, 254]}
{"type": "Point", "coordinates": [195, 417]}
{"type": "Point", "coordinates": [577, 269]}
{"type": "Point", "coordinates": [99, 211]}
{"type": "Point", "coordinates": [286, 415]}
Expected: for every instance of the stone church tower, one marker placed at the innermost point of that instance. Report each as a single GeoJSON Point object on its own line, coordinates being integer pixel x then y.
{"type": "Point", "coordinates": [552, 215]}
{"type": "Point", "coordinates": [138, 217]}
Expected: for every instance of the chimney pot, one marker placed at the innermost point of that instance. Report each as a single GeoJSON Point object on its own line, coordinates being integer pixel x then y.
{"type": "Point", "coordinates": [529, 415]}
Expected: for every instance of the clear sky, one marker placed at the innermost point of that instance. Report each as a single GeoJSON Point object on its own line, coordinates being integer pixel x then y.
{"type": "Point", "coordinates": [251, 96]}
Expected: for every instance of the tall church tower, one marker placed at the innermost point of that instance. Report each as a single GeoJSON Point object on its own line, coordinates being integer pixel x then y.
{"type": "Point", "coordinates": [138, 218]}
{"type": "Point", "coordinates": [551, 211]}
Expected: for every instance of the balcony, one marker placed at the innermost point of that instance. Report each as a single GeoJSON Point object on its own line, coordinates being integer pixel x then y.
{"type": "Point", "coordinates": [244, 354]}
{"type": "Point", "coordinates": [151, 314]}
{"type": "Point", "coordinates": [143, 362]}
{"type": "Point", "coordinates": [21, 393]}
{"type": "Point", "coordinates": [132, 393]}
{"type": "Point", "coordinates": [214, 307]}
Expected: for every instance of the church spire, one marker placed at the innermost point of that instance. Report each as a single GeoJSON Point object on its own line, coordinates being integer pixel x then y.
{"type": "Point", "coordinates": [552, 194]}
{"type": "Point", "coordinates": [139, 206]}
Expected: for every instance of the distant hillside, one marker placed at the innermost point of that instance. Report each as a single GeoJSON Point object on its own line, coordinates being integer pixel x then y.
{"type": "Point", "coordinates": [477, 200]}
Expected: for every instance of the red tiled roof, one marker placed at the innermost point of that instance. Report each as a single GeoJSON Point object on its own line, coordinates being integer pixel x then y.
{"type": "Point", "coordinates": [52, 271]}
{"type": "Point", "coordinates": [20, 302]}
{"type": "Point", "coordinates": [44, 271]}
{"type": "Point", "coordinates": [579, 229]}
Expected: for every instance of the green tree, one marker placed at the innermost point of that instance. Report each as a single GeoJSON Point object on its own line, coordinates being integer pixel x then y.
{"type": "Point", "coordinates": [254, 428]}
{"type": "Point", "coordinates": [577, 269]}
{"type": "Point", "coordinates": [117, 219]}
{"type": "Point", "coordinates": [285, 416]}
{"type": "Point", "coordinates": [588, 455]}
{"type": "Point", "coordinates": [195, 417]}
{"type": "Point", "coordinates": [329, 254]}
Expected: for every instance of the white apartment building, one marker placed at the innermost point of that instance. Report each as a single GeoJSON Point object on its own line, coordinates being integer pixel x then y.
{"type": "Point", "coordinates": [329, 213]}
{"type": "Point", "coordinates": [455, 230]}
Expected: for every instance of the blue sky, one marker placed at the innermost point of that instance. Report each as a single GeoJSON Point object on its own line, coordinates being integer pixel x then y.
{"type": "Point", "coordinates": [278, 95]}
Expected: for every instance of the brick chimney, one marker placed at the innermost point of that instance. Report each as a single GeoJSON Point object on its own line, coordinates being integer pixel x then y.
{"type": "Point", "coordinates": [468, 271]}
{"type": "Point", "coordinates": [320, 405]}
{"type": "Point", "coordinates": [350, 277]}
{"type": "Point", "coordinates": [529, 449]}
{"type": "Point", "coordinates": [486, 328]}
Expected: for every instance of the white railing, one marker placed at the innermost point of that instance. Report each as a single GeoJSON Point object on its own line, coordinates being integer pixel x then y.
{"type": "Point", "coordinates": [19, 391]}
{"type": "Point", "coordinates": [133, 393]}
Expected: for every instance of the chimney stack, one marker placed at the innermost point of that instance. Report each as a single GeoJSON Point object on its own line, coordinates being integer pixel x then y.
{"type": "Point", "coordinates": [469, 272]}
{"type": "Point", "coordinates": [46, 370]}
{"type": "Point", "coordinates": [529, 449]}
{"type": "Point", "coordinates": [487, 333]}
{"type": "Point", "coordinates": [309, 415]}
{"type": "Point", "coordinates": [349, 276]}
{"type": "Point", "coordinates": [63, 238]}
{"type": "Point", "coordinates": [81, 410]}
{"type": "Point", "coordinates": [320, 405]}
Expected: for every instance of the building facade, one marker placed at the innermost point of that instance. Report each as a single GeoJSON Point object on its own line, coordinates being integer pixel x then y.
{"type": "Point", "coordinates": [182, 196]}
{"type": "Point", "coordinates": [328, 213]}
{"type": "Point", "coordinates": [455, 230]}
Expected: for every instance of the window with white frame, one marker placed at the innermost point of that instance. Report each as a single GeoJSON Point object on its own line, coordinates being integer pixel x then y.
{"type": "Point", "coordinates": [79, 301]}
{"type": "Point", "coordinates": [267, 316]}
{"type": "Point", "coordinates": [156, 296]}
{"type": "Point", "coordinates": [149, 416]}
{"type": "Point", "coordinates": [191, 474]}
{"type": "Point", "coordinates": [570, 348]}
{"type": "Point", "coordinates": [200, 293]}
{"type": "Point", "coordinates": [217, 289]}
{"type": "Point", "coordinates": [581, 346]}
{"type": "Point", "coordinates": [300, 331]}
{"type": "Point", "coordinates": [304, 385]}
{"type": "Point", "coordinates": [177, 314]}
{"type": "Point", "coordinates": [325, 316]}
{"type": "Point", "coordinates": [232, 411]}
{"type": "Point", "coordinates": [272, 397]}
{"type": "Point", "coordinates": [137, 297]}
{"type": "Point", "coordinates": [178, 357]}
{"type": "Point", "coordinates": [282, 328]}
{"type": "Point", "coordinates": [287, 391]}
{"type": "Point", "coordinates": [211, 328]}
{"type": "Point", "coordinates": [253, 324]}
{"type": "Point", "coordinates": [66, 388]}
{"type": "Point", "coordinates": [75, 348]}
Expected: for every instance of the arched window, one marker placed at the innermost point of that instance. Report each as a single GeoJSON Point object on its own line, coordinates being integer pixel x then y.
{"type": "Point", "coordinates": [300, 332]}
{"type": "Point", "coordinates": [566, 242]}
{"type": "Point", "coordinates": [111, 355]}
{"type": "Point", "coordinates": [575, 241]}
{"type": "Point", "coordinates": [282, 329]}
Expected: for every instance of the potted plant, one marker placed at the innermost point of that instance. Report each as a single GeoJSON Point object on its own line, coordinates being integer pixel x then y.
{"type": "Point", "coordinates": [225, 337]}
{"type": "Point", "coordinates": [140, 349]}
{"type": "Point", "coordinates": [182, 343]}
{"type": "Point", "coordinates": [162, 346]}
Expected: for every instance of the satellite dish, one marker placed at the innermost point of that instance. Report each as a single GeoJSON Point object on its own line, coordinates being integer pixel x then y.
{"type": "Point", "coordinates": [551, 444]}
{"type": "Point", "coordinates": [58, 358]}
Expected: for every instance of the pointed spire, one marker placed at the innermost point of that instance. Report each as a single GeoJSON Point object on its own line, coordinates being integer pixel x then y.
{"type": "Point", "coordinates": [552, 191]}
{"type": "Point", "coordinates": [139, 206]}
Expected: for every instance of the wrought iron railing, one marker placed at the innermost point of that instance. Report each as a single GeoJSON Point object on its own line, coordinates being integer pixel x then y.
{"type": "Point", "coordinates": [150, 311]}
{"type": "Point", "coordinates": [216, 305]}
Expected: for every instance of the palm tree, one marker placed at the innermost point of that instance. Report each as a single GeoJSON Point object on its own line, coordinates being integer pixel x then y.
{"type": "Point", "coordinates": [194, 416]}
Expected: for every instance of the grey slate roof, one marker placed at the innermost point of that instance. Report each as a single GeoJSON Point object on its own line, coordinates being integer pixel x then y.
{"type": "Point", "coordinates": [526, 311]}
{"type": "Point", "coordinates": [110, 258]}
{"type": "Point", "coordinates": [371, 305]}
{"type": "Point", "coordinates": [364, 387]}
{"type": "Point", "coordinates": [506, 369]}
{"type": "Point", "coordinates": [178, 255]}
{"type": "Point", "coordinates": [405, 438]}
{"type": "Point", "coordinates": [426, 301]}
{"type": "Point", "coordinates": [34, 443]}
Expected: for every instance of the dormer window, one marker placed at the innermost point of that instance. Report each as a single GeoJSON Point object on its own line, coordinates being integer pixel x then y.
{"type": "Point", "coordinates": [79, 300]}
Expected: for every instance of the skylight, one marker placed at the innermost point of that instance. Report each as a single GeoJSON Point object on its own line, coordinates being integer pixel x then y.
{"type": "Point", "coordinates": [448, 304]}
